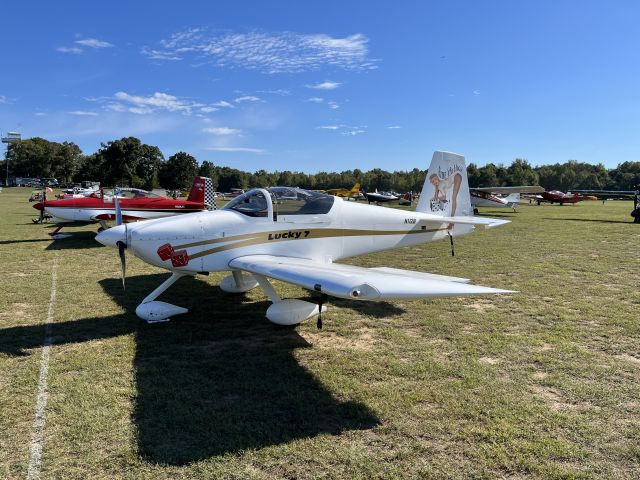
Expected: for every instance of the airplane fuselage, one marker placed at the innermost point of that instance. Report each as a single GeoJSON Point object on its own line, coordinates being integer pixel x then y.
{"type": "Point", "coordinates": [208, 241]}
{"type": "Point", "coordinates": [91, 209]}
{"type": "Point", "coordinates": [484, 199]}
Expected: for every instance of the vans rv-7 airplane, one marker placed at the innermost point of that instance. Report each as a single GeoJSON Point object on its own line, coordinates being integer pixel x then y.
{"type": "Point", "coordinates": [295, 236]}
{"type": "Point", "coordinates": [135, 205]}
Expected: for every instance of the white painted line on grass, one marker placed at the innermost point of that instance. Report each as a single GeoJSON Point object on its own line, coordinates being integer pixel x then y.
{"type": "Point", "coordinates": [37, 438]}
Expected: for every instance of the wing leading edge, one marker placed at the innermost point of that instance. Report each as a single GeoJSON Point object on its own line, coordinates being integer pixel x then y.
{"type": "Point", "coordinates": [347, 281]}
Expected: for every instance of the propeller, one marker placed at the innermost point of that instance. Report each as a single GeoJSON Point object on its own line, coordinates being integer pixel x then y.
{"type": "Point", "coordinates": [122, 246]}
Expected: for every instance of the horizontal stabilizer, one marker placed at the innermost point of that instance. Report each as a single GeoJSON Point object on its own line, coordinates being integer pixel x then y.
{"type": "Point", "coordinates": [466, 220]}
{"type": "Point", "coordinates": [347, 281]}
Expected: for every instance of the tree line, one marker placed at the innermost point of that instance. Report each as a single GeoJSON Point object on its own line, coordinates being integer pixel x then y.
{"type": "Point", "coordinates": [129, 162]}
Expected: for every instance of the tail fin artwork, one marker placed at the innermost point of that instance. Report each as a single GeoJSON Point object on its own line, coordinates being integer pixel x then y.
{"type": "Point", "coordinates": [202, 192]}
{"type": "Point", "coordinates": [446, 188]}
{"type": "Point", "coordinates": [355, 189]}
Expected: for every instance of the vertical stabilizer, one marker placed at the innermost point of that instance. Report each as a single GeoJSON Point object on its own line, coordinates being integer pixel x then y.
{"type": "Point", "coordinates": [446, 188]}
{"type": "Point", "coordinates": [513, 200]}
{"type": "Point", "coordinates": [202, 192]}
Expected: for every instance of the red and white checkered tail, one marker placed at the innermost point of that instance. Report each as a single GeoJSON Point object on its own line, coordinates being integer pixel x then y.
{"type": "Point", "coordinates": [209, 197]}
{"type": "Point", "coordinates": [202, 192]}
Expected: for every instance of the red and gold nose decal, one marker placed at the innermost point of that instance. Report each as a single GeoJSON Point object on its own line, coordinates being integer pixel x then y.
{"type": "Point", "coordinates": [165, 251]}
{"type": "Point", "coordinates": [178, 259]}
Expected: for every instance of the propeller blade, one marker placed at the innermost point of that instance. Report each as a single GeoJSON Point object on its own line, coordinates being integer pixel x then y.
{"type": "Point", "coordinates": [123, 262]}
{"type": "Point", "coordinates": [118, 210]}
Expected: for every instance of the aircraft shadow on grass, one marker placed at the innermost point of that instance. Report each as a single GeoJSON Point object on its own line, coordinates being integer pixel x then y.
{"type": "Point", "coordinates": [24, 240]}
{"type": "Point", "coordinates": [77, 241]}
{"type": "Point", "coordinates": [219, 380]}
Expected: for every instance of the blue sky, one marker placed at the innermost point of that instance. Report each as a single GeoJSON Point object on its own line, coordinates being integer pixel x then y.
{"type": "Point", "coordinates": [329, 85]}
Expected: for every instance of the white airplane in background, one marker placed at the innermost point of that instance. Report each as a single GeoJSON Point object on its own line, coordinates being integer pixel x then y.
{"type": "Point", "coordinates": [488, 196]}
{"type": "Point", "coordinates": [295, 236]}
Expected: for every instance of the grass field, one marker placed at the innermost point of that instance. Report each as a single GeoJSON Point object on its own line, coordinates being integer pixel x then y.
{"type": "Point", "coordinates": [544, 383]}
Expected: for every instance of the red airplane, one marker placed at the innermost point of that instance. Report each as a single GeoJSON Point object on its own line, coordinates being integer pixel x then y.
{"type": "Point", "coordinates": [554, 196]}
{"type": "Point", "coordinates": [135, 205]}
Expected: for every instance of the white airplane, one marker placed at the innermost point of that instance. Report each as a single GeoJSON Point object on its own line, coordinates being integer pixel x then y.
{"type": "Point", "coordinates": [380, 197]}
{"type": "Point", "coordinates": [295, 236]}
{"type": "Point", "coordinates": [489, 196]}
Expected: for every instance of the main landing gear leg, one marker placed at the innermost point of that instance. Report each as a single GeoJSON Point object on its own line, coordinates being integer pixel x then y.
{"type": "Point", "coordinates": [238, 282]}
{"type": "Point", "coordinates": [290, 311]}
{"type": "Point", "coordinates": [58, 228]}
{"type": "Point", "coordinates": [153, 311]}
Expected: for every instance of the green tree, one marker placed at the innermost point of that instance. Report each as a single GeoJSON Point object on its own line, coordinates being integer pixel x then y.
{"type": "Point", "coordinates": [178, 172]}
{"type": "Point", "coordinates": [130, 162]}
{"type": "Point", "coordinates": [37, 157]}
{"type": "Point", "coordinates": [520, 172]}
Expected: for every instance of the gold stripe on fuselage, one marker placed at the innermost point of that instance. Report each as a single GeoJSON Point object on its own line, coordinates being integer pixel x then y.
{"type": "Point", "coordinates": [249, 239]}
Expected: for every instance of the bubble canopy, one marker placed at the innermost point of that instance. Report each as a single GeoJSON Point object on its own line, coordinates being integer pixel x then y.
{"type": "Point", "coordinates": [283, 200]}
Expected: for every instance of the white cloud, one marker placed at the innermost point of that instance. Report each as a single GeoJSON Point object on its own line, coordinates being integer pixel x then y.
{"type": "Point", "coordinates": [74, 50]}
{"type": "Point", "coordinates": [222, 130]}
{"type": "Point", "coordinates": [247, 98]}
{"type": "Point", "coordinates": [159, 54]}
{"type": "Point", "coordinates": [476, 92]}
{"type": "Point", "coordinates": [40, 114]}
{"type": "Point", "coordinates": [333, 105]}
{"type": "Point", "coordinates": [3, 99]}
{"type": "Point", "coordinates": [224, 104]}
{"type": "Point", "coordinates": [115, 107]}
{"type": "Point", "coordinates": [236, 149]}
{"type": "Point", "coordinates": [281, 91]}
{"type": "Point", "coordinates": [158, 101]}
{"type": "Point", "coordinates": [315, 99]}
{"type": "Point", "coordinates": [353, 132]}
{"type": "Point", "coordinates": [325, 85]}
{"type": "Point", "coordinates": [93, 43]}
{"type": "Point", "coordinates": [393, 127]}
{"type": "Point", "coordinates": [346, 129]}
{"type": "Point", "coordinates": [281, 52]}
{"type": "Point", "coordinates": [83, 113]}
{"type": "Point", "coordinates": [208, 109]}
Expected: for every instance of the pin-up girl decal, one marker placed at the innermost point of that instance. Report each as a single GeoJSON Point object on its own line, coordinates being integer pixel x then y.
{"type": "Point", "coordinates": [442, 187]}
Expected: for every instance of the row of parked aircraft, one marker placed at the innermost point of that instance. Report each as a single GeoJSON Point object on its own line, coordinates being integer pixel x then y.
{"type": "Point", "coordinates": [289, 234]}
{"type": "Point", "coordinates": [283, 233]}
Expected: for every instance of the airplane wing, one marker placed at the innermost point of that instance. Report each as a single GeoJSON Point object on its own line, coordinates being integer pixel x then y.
{"type": "Point", "coordinates": [506, 190]}
{"type": "Point", "coordinates": [347, 281]}
{"type": "Point", "coordinates": [606, 193]}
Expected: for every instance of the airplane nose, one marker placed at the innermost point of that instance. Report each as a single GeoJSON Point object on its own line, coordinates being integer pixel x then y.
{"type": "Point", "coordinates": [111, 236]}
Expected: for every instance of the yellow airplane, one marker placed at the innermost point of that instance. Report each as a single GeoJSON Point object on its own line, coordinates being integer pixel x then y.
{"type": "Point", "coordinates": [344, 193]}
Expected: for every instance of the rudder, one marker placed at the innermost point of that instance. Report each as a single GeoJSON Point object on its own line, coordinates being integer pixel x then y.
{"type": "Point", "coordinates": [202, 192]}
{"type": "Point", "coordinates": [446, 189]}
